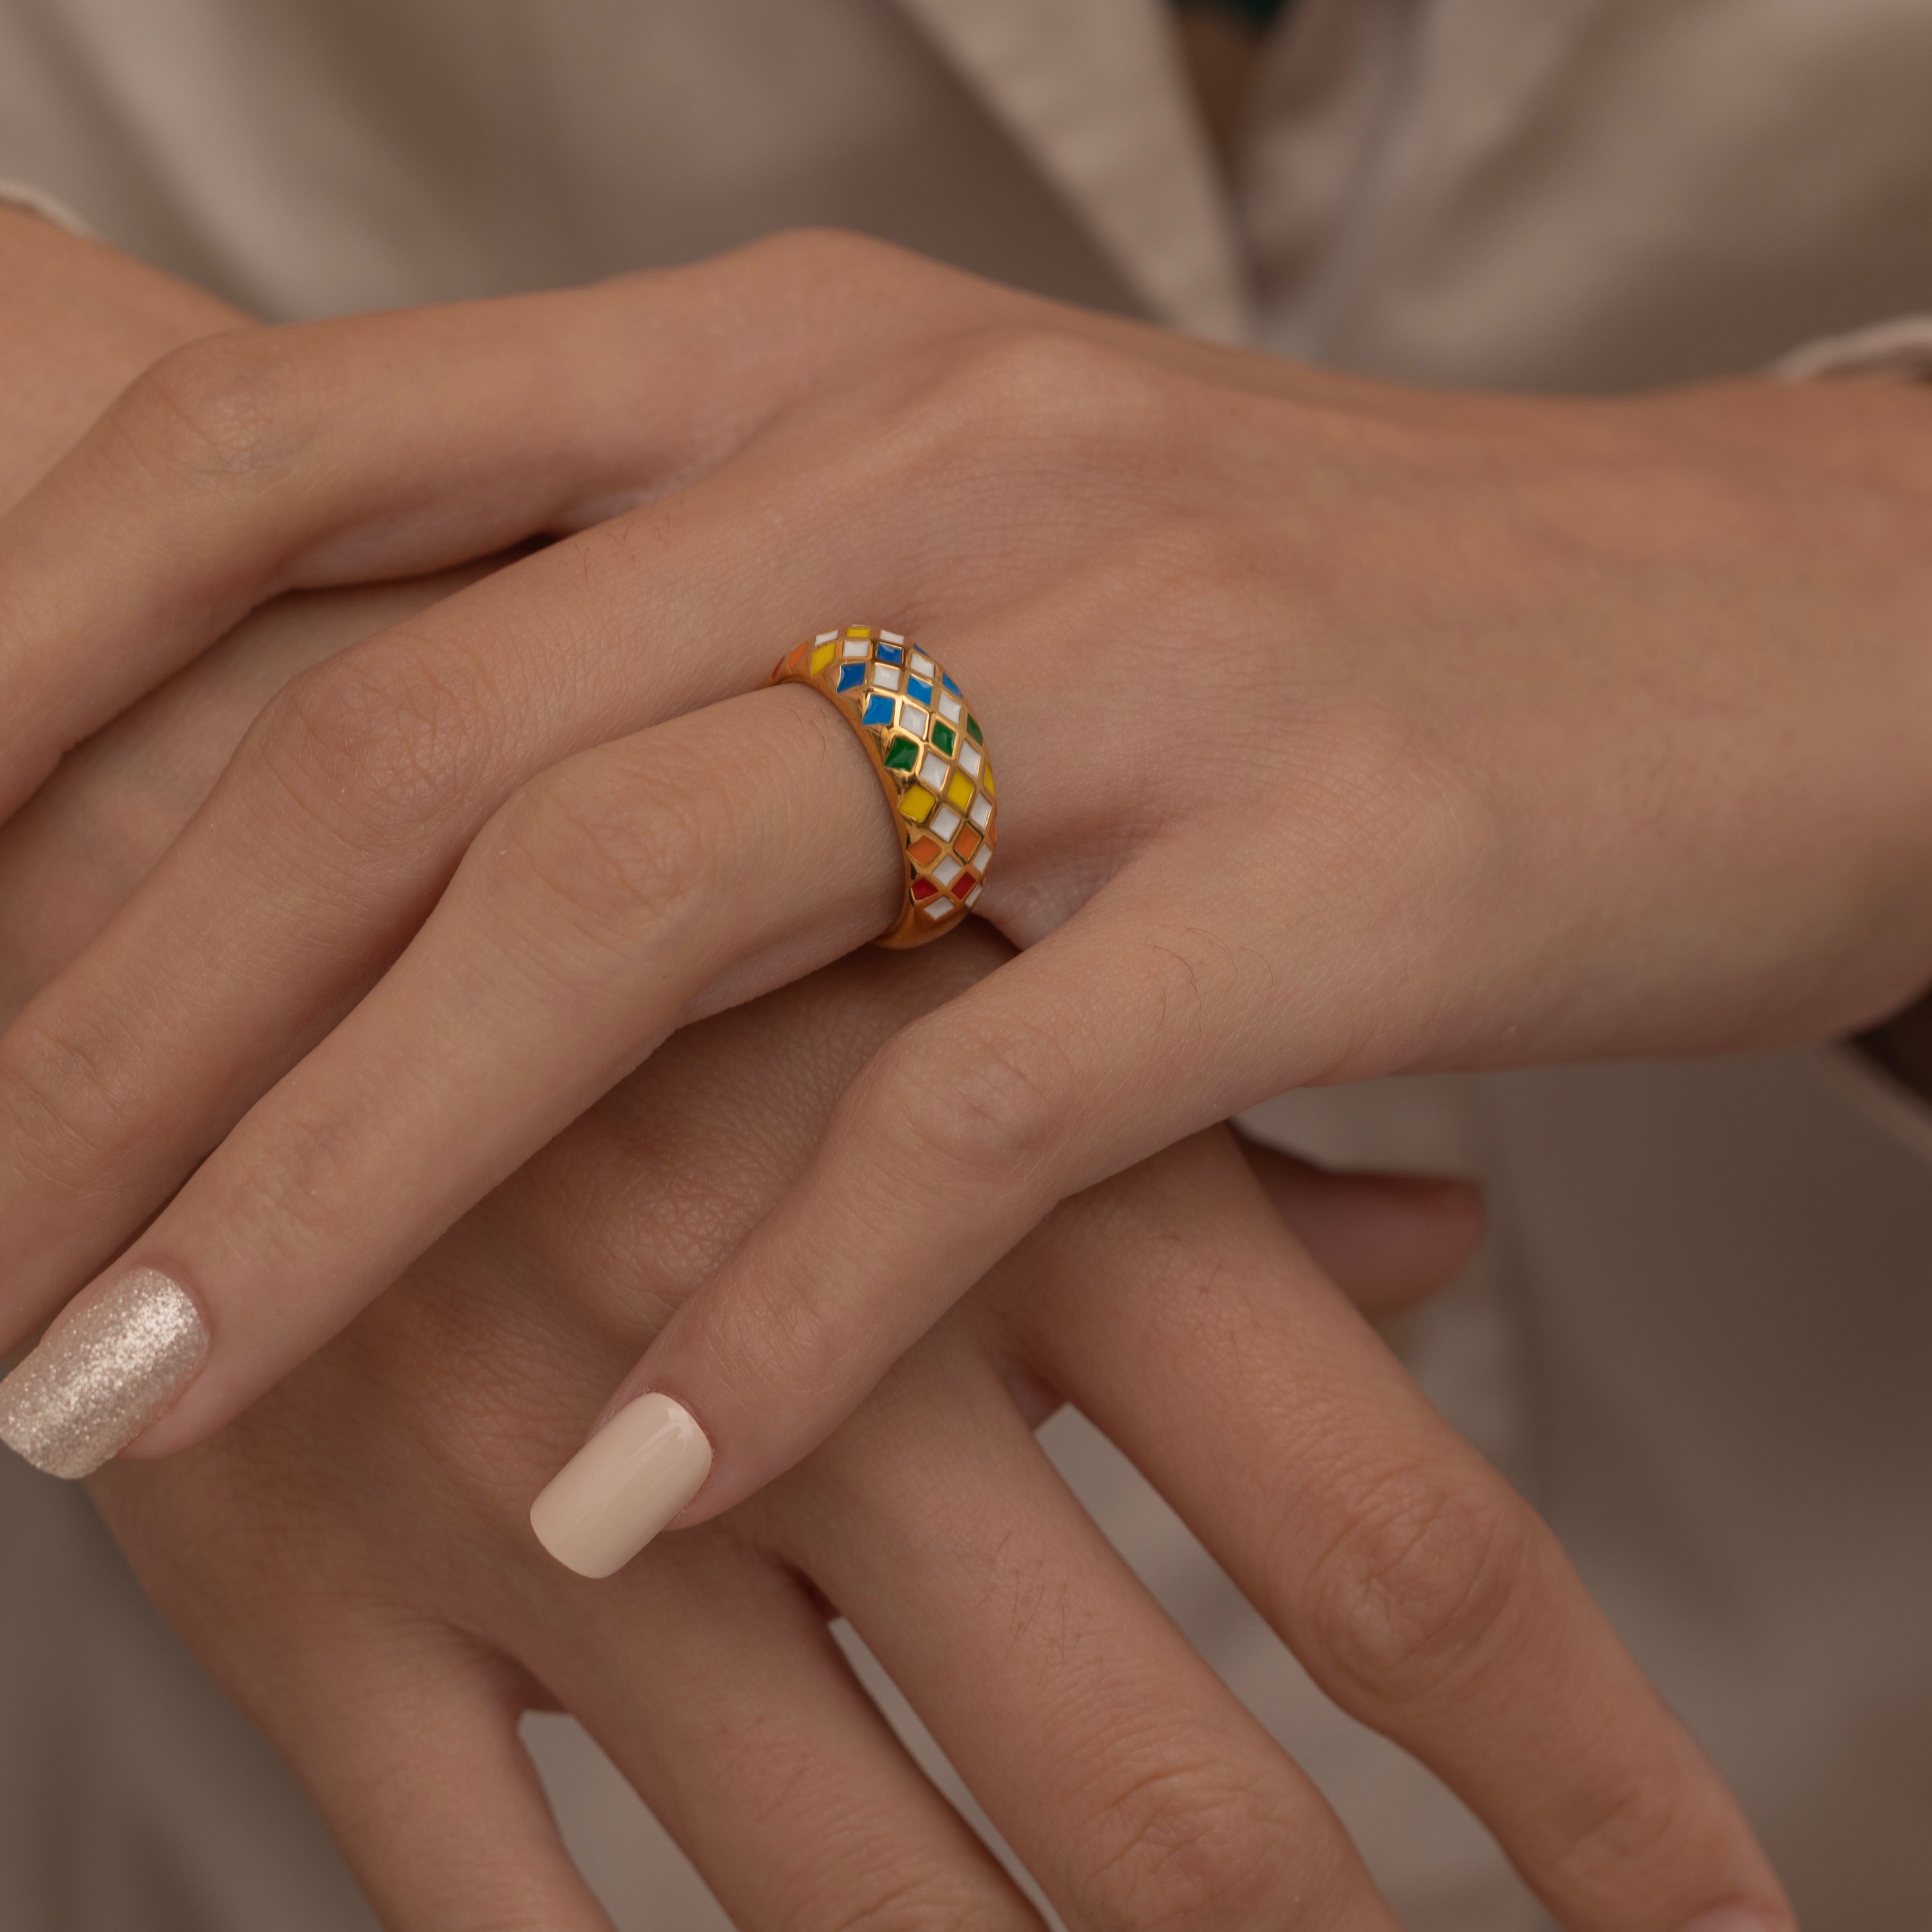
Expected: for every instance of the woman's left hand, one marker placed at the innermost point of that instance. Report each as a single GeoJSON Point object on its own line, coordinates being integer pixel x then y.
{"type": "Point", "coordinates": [1338, 730]}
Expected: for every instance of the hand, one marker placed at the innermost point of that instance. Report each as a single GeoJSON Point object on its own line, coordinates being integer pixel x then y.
{"type": "Point", "coordinates": [272, 1531]}
{"type": "Point", "coordinates": [350, 1558]}
{"type": "Point", "coordinates": [1426, 1597]}
{"type": "Point", "coordinates": [1341, 729]}
{"type": "Point", "coordinates": [325, 1556]}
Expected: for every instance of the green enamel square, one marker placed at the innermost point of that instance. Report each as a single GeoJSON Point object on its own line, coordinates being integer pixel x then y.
{"type": "Point", "coordinates": [902, 755]}
{"type": "Point", "coordinates": [943, 737]}
{"type": "Point", "coordinates": [973, 729]}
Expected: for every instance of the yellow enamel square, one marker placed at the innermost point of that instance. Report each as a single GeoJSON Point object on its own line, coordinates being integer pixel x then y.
{"type": "Point", "coordinates": [917, 804]}
{"type": "Point", "coordinates": [986, 782]}
{"type": "Point", "coordinates": [960, 791]}
{"type": "Point", "coordinates": [858, 630]}
{"type": "Point", "coordinates": [822, 657]}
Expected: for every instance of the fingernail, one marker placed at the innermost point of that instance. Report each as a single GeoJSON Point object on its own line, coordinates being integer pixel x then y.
{"type": "Point", "coordinates": [1732, 1918]}
{"type": "Point", "coordinates": [623, 1487]}
{"type": "Point", "coordinates": [105, 1369]}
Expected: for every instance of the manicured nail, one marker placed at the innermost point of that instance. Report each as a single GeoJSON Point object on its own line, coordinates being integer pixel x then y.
{"type": "Point", "coordinates": [623, 1487]}
{"type": "Point", "coordinates": [105, 1369]}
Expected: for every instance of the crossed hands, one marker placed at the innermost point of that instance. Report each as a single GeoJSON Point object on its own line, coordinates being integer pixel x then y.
{"type": "Point", "coordinates": [1316, 762]}
{"type": "Point", "coordinates": [351, 1559]}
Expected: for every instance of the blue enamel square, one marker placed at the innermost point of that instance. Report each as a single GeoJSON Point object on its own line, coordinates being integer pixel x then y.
{"type": "Point", "coordinates": [879, 709]}
{"type": "Point", "coordinates": [850, 676]}
{"type": "Point", "coordinates": [918, 688]}
{"type": "Point", "coordinates": [948, 684]}
{"type": "Point", "coordinates": [891, 654]}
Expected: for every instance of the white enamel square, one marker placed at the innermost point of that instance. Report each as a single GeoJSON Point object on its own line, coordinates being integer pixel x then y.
{"type": "Point", "coordinates": [948, 869]}
{"type": "Point", "coordinates": [855, 647]}
{"type": "Point", "coordinates": [827, 637]}
{"type": "Point", "coordinates": [949, 707]}
{"type": "Point", "coordinates": [933, 773]}
{"type": "Point", "coordinates": [922, 664]}
{"type": "Point", "coordinates": [937, 908]}
{"type": "Point", "coordinates": [969, 759]}
{"type": "Point", "coordinates": [982, 810]}
{"type": "Point", "coordinates": [973, 895]}
{"type": "Point", "coordinates": [912, 720]}
{"type": "Point", "coordinates": [890, 637]}
{"type": "Point", "coordinates": [885, 677]}
{"type": "Point", "coordinates": [945, 822]}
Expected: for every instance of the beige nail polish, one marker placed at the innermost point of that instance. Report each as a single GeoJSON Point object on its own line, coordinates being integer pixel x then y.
{"type": "Point", "coordinates": [623, 1487]}
{"type": "Point", "coordinates": [107, 1368]}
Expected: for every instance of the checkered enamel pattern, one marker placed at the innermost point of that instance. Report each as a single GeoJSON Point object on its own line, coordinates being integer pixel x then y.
{"type": "Point", "coordinates": [926, 746]}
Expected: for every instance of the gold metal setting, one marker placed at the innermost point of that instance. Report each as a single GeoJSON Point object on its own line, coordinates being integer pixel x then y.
{"type": "Point", "coordinates": [928, 749]}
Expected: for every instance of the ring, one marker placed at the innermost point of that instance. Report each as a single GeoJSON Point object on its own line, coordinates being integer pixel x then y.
{"type": "Point", "coordinates": [931, 756]}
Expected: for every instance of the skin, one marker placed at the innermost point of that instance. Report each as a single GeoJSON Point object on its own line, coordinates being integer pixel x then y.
{"type": "Point", "coordinates": [1341, 729]}
{"type": "Point", "coordinates": [352, 1559]}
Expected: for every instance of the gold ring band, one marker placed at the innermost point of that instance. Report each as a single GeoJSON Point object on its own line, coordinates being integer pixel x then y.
{"type": "Point", "coordinates": [928, 751]}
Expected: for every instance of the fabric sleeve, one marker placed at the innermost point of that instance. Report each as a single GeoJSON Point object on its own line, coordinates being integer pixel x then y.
{"type": "Point", "coordinates": [18, 194]}
{"type": "Point", "coordinates": [1899, 351]}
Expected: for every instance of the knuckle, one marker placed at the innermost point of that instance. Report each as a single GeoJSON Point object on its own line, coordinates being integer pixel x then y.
{"type": "Point", "coordinates": [1047, 386]}
{"type": "Point", "coordinates": [1016, 404]}
{"type": "Point", "coordinates": [230, 407]}
{"type": "Point", "coordinates": [308, 1173]}
{"type": "Point", "coordinates": [374, 746]}
{"type": "Point", "coordinates": [1641, 1824]}
{"type": "Point", "coordinates": [1192, 571]}
{"type": "Point", "coordinates": [786, 1341]}
{"type": "Point", "coordinates": [989, 1102]}
{"type": "Point", "coordinates": [1415, 1593]}
{"type": "Point", "coordinates": [612, 845]}
{"type": "Point", "coordinates": [1197, 1845]}
{"type": "Point", "coordinates": [73, 1098]}
{"type": "Point", "coordinates": [798, 260]}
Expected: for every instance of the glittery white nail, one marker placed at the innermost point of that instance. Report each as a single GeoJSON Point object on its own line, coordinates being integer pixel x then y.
{"type": "Point", "coordinates": [103, 1371]}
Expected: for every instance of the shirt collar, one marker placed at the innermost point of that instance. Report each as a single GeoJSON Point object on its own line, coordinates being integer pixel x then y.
{"type": "Point", "coordinates": [1094, 91]}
